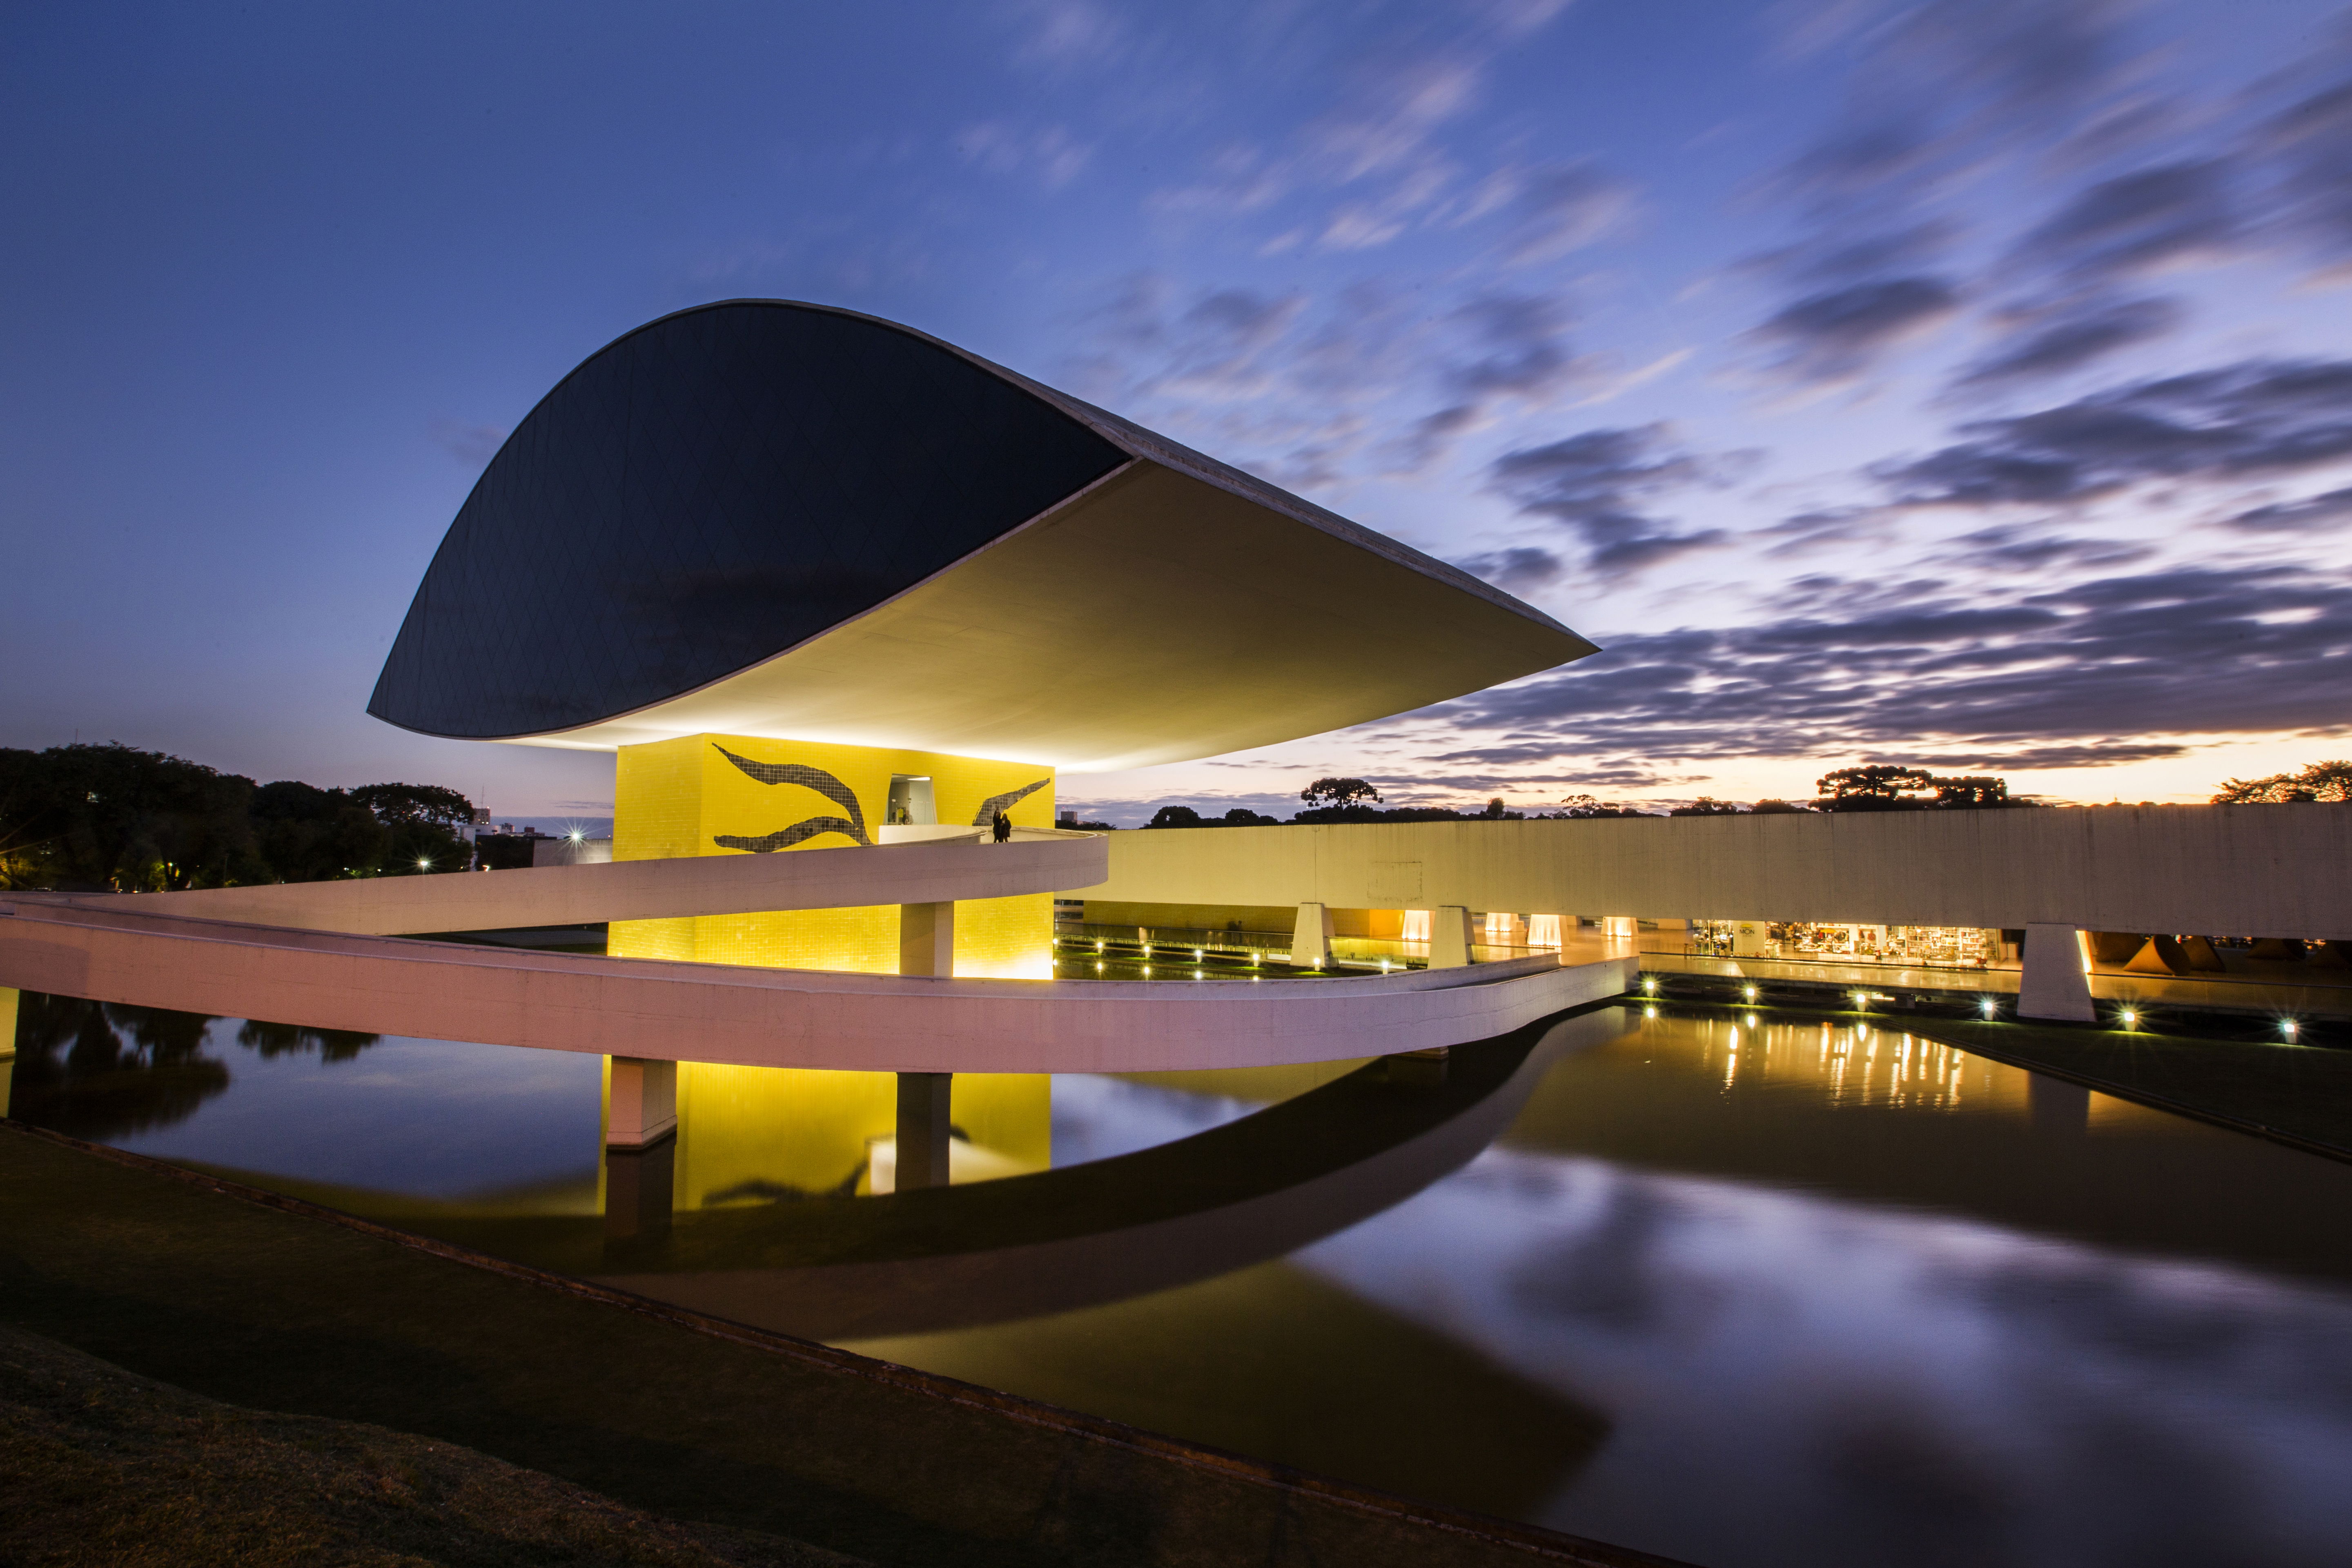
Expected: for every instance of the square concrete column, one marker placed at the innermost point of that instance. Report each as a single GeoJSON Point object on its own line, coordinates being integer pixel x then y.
{"type": "Point", "coordinates": [2053, 983]}
{"type": "Point", "coordinates": [924, 1098]}
{"type": "Point", "coordinates": [644, 1102]}
{"type": "Point", "coordinates": [1310, 937]}
{"type": "Point", "coordinates": [1449, 937]}
{"type": "Point", "coordinates": [927, 939]}
{"type": "Point", "coordinates": [8, 1043]}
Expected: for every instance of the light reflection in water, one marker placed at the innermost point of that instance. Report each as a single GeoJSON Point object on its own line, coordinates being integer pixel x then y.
{"type": "Point", "coordinates": [1738, 1291]}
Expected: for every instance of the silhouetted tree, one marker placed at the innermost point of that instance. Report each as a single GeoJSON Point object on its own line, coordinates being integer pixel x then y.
{"type": "Point", "coordinates": [1877, 785]}
{"type": "Point", "coordinates": [313, 835]}
{"type": "Point", "coordinates": [2320, 781]}
{"type": "Point", "coordinates": [1970, 790]}
{"type": "Point", "coordinates": [131, 820]}
{"type": "Point", "coordinates": [1339, 792]}
{"type": "Point", "coordinates": [1584, 806]}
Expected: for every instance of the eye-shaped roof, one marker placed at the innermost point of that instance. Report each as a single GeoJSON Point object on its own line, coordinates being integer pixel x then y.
{"type": "Point", "coordinates": [760, 517]}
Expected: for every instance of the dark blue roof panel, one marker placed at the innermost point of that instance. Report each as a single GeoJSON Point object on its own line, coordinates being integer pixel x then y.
{"type": "Point", "coordinates": [712, 490]}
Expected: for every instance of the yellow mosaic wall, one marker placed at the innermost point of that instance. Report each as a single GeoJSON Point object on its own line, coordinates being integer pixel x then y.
{"type": "Point", "coordinates": [678, 797]}
{"type": "Point", "coordinates": [754, 1135]}
{"type": "Point", "coordinates": [746, 1135]}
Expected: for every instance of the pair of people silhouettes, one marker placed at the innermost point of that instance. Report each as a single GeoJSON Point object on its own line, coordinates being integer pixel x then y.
{"type": "Point", "coordinates": [1000, 825]}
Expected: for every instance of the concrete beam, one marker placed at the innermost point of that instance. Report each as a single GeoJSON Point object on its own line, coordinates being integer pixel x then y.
{"type": "Point", "coordinates": [2056, 983]}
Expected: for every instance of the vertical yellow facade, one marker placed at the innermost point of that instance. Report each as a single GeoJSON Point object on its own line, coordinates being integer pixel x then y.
{"type": "Point", "coordinates": [733, 794]}
{"type": "Point", "coordinates": [754, 1135]}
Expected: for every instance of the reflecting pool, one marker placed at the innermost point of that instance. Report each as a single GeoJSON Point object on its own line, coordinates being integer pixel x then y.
{"type": "Point", "coordinates": [1741, 1293]}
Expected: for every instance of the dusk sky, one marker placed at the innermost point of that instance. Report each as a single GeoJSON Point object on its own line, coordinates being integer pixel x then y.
{"type": "Point", "coordinates": [1964, 383]}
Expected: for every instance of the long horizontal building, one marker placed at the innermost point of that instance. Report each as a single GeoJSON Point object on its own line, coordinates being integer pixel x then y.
{"type": "Point", "coordinates": [1929, 895]}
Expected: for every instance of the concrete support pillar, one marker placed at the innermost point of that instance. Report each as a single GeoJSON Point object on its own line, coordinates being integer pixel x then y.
{"type": "Point", "coordinates": [927, 939]}
{"type": "Point", "coordinates": [1310, 937]}
{"type": "Point", "coordinates": [8, 1043]}
{"type": "Point", "coordinates": [923, 1101]}
{"type": "Point", "coordinates": [1449, 937]}
{"type": "Point", "coordinates": [2054, 984]}
{"type": "Point", "coordinates": [639, 1184]}
{"type": "Point", "coordinates": [644, 1103]}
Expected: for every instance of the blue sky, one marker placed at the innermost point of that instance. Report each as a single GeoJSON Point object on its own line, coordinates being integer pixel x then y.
{"type": "Point", "coordinates": [1958, 382]}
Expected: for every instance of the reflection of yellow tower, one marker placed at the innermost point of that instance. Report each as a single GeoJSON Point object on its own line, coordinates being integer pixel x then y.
{"type": "Point", "coordinates": [732, 795]}
{"type": "Point", "coordinates": [752, 1135]}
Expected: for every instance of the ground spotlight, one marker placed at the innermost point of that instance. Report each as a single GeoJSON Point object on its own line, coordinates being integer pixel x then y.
{"type": "Point", "coordinates": [1988, 1007]}
{"type": "Point", "coordinates": [1748, 991]}
{"type": "Point", "coordinates": [2128, 1017]}
{"type": "Point", "coordinates": [2290, 1028]}
{"type": "Point", "coordinates": [1651, 986]}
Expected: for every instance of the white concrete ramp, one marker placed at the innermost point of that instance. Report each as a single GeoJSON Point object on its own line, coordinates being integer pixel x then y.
{"type": "Point", "coordinates": [148, 949]}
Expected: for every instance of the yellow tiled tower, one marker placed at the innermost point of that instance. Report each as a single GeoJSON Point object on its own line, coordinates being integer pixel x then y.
{"type": "Point", "coordinates": [733, 794]}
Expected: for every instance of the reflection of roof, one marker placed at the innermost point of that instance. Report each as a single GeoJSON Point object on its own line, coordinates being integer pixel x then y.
{"type": "Point", "coordinates": [768, 518]}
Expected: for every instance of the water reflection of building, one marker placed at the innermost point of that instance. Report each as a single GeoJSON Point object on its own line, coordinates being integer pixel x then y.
{"type": "Point", "coordinates": [764, 1135]}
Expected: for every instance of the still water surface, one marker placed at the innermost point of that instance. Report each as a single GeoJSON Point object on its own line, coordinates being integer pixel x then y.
{"type": "Point", "coordinates": [1737, 1295]}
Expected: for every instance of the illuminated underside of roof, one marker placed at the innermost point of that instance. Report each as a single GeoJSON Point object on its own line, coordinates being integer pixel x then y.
{"type": "Point", "coordinates": [767, 518]}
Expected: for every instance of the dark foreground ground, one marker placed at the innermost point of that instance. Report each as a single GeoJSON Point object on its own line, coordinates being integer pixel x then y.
{"type": "Point", "coordinates": [107, 1467]}
{"type": "Point", "coordinates": [274, 1385]}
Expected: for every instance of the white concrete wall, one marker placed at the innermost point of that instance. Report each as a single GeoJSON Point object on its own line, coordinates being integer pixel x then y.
{"type": "Point", "coordinates": [2239, 871]}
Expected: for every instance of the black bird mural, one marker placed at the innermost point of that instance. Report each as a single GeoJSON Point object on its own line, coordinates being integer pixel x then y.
{"type": "Point", "coordinates": [996, 803]}
{"type": "Point", "coordinates": [852, 827]}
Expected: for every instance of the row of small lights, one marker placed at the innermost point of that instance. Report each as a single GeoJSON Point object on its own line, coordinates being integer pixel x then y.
{"type": "Point", "coordinates": [2127, 1016]}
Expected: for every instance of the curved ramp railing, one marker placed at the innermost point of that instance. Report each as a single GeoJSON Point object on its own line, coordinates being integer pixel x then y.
{"type": "Point", "coordinates": [1036, 861]}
